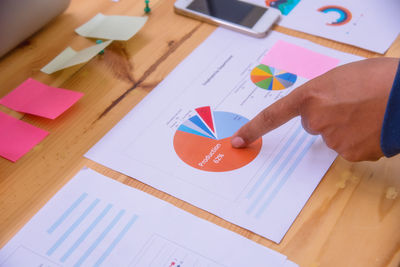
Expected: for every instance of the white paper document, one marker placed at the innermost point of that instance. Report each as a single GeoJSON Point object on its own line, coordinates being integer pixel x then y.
{"type": "Point", "coordinates": [96, 221]}
{"type": "Point", "coordinates": [369, 24]}
{"type": "Point", "coordinates": [178, 138]}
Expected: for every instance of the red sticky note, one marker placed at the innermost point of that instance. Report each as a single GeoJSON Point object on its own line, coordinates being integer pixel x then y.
{"type": "Point", "coordinates": [17, 137]}
{"type": "Point", "coordinates": [298, 60]}
{"type": "Point", "coordinates": [39, 99]}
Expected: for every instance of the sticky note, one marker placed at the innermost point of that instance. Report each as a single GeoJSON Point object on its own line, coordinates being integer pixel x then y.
{"type": "Point", "coordinates": [17, 137]}
{"type": "Point", "coordinates": [298, 60]}
{"type": "Point", "coordinates": [69, 57]}
{"type": "Point", "coordinates": [40, 99]}
{"type": "Point", "coordinates": [119, 28]}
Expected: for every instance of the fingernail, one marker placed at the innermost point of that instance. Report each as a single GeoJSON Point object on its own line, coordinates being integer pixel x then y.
{"type": "Point", "coordinates": [237, 141]}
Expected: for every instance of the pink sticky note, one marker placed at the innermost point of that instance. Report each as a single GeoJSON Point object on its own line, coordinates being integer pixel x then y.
{"type": "Point", "coordinates": [17, 137]}
{"type": "Point", "coordinates": [298, 60]}
{"type": "Point", "coordinates": [39, 99]}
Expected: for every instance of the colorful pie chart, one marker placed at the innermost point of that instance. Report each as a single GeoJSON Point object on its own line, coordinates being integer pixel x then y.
{"type": "Point", "coordinates": [344, 15]}
{"type": "Point", "coordinates": [270, 78]}
{"type": "Point", "coordinates": [203, 141]}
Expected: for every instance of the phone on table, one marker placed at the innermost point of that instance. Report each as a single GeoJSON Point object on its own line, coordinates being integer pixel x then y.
{"type": "Point", "coordinates": [233, 14]}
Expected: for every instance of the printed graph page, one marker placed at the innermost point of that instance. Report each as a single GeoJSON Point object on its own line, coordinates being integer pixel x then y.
{"type": "Point", "coordinates": [369, 24]}
{"type": "Point", "coordinates": [177, 138]}
{"type": "Point", "coordinates": [96, 221]}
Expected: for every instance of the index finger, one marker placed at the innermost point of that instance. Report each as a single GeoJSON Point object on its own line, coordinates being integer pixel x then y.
{"type": "Point", "coordinates": [267, 120]}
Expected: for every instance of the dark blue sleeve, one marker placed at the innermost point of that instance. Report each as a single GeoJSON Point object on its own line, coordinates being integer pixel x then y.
{"type": "Point", "coordinates": [390, 136]}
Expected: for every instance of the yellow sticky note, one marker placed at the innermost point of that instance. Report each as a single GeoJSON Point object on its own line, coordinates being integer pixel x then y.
{"type": "Point", "coordinates": [69, 57]}
{"type": "Point", "coordinates": [119, 28]}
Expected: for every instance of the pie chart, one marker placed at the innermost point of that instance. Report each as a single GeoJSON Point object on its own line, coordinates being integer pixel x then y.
{"type": "Point", "coordinates": [203, 141]}
{"type": "Point", "coordinates": [344, 15]}
{"type": "Point", "coordinates": [270, 78]}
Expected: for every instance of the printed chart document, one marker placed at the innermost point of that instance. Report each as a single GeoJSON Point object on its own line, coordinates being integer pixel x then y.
{"type": "Point", "coordinates": [177, 138]}
{"type": "Point", "coordinates": [369, 24]}
{"type": "Point", "coordinates": [96, 221]}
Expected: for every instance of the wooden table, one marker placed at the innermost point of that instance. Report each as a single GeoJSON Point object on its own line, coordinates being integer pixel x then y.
{"type": "Point", "coordinates": [352, 218]}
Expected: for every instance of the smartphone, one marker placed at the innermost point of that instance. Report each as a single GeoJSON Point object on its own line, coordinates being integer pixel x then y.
{"type": "Point", "coordinates": [233, 14]}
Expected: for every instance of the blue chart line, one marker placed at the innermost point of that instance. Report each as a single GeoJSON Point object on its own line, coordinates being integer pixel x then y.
{"type": "Point", "coordinates": [196, 120]}
{"type": "Point", "coordinates": [67, 213]}
{"type": "Point", "coordinates": [285, 177]}
{"type": "Point", "coordinates": [116, 241]}
{"type": "Point", "coordinates": [72, 227]}
{"type": "Point", "coordinates": [186, 129]}
{"type": "Point", "coordinates": [273, 163]}
{"type": "Point", "coordinates": [277, 173]}
{"type": "Point", "coordinates": [86, 233]}
{"type": "Point", "coordinates": [100, 238]}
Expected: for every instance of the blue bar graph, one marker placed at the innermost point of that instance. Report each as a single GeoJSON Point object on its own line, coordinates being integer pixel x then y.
{"type": "Point", "coordinates": [92, 222]}
{"type": "Point", "coordinates": [273, 162]}
{"type": "Point", "coordinates": [86, 233]}
{"type": "Point", "coordinates": [285, 178]}
{"type": "Point", "coordinates": [116, 241]}
{"type": "Point", "coordinates": [72, 227]}
{"type": "Point", "coordinates": [65, 215]}
{"type": "Point", "coordinates": [274, 177]}
{"type": "Point", "coordinates": [100, 238]}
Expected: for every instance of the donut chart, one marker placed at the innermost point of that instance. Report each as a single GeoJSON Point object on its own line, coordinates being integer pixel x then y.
{"type": "Point", "coordinates": [270, 78]}
{"type": "Point", "coordinates": [344, 15]}
{"type": "Point", "coordinates": [203, 141]}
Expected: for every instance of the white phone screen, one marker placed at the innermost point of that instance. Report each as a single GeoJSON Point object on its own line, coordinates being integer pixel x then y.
{"type": "Point", "coordinates": [234, 11]}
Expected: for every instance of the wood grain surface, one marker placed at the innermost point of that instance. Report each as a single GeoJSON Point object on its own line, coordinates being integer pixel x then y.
{"type": "Point", "coordinates": [352, 218]}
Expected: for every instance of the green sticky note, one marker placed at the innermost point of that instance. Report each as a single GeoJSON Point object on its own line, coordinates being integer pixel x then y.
{"type": "Point", "coordinates": [69, 57]}
{"type": "Point", "coordinates": [119, 28]}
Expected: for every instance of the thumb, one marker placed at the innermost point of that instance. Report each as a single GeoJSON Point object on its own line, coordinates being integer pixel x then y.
{"type": "Point", "coordinates": [267, 120]}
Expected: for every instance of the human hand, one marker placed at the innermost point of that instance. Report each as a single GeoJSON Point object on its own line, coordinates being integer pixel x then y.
{"type": "Point", "coordinates": [345, 106]}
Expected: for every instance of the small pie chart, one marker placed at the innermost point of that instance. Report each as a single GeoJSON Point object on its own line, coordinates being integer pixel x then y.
{"type": "Point", "coordinates": [343, 14]}
{"type": "Point", "coordinates": [270, 78]}
{"type": "Point", "coordinates": [203, 141]}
